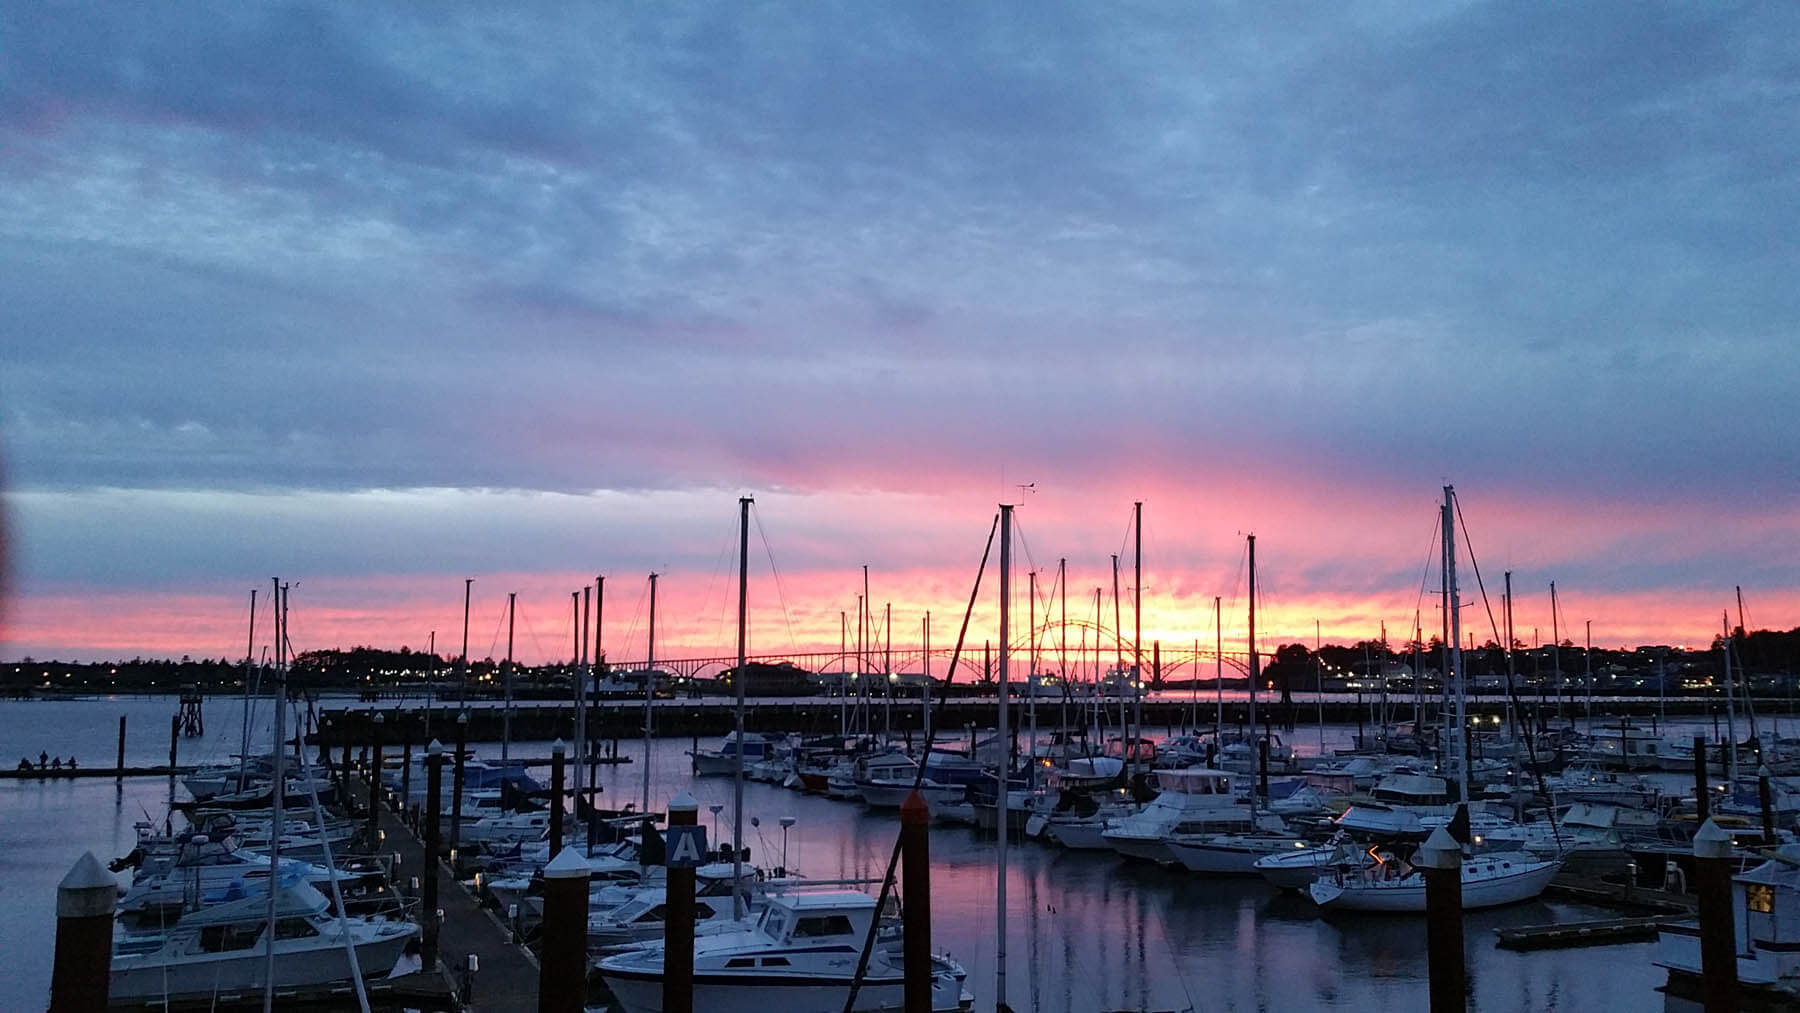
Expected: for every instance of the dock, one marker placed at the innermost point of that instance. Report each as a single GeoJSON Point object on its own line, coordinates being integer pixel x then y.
{"type": "Point", "coordinates": [507, 977]}
{"type": "Point", "coordinates": [35, 774]}
{"type": "Point", "coordinates": [1565, 935]}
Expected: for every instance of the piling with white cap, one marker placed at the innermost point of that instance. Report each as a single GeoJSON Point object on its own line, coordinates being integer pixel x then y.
{"type": "Point", "coordinates": [82, 973]}
{"type": "Point", "coordinates": [562, 970]}
{"type": "Point", "coordinates": [1718, 931]}
{"type": "Point", "coordinates": [1439, 860]}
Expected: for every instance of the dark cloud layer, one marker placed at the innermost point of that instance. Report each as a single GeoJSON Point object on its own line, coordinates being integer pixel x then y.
{"type": "Point", "coordinates": [329, 248]}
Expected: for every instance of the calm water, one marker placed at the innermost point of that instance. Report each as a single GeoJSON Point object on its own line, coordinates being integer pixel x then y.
{"type": "Point", "coordinates": [1084, 931]}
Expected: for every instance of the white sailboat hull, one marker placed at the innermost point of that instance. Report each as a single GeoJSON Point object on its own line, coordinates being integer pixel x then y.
{"type": "Point", "coordinates": [298, 963]}
{"type": "Point", "coordinates": [1407, 895]}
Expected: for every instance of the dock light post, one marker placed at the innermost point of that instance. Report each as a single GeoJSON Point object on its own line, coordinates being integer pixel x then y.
{"type": "Point", "coordinates": [678, 923]}
{"type": "Point", "coordinates": [1718, 931]}
{"type": "Point", "coordinates": [462, 747]}
{"type": "Point", "coordinates": [81, 975]}
{"type": "Point", "coordinates": [428, 898]}
{"type": "Point", "coordinates": [375, 782]}
{"type": "Point", "coordinates": [716, 808]}
{"type": "Point", "coordinates": [1440, 860]}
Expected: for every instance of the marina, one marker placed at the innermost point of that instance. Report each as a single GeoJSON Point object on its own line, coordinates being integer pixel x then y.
{"type": "Point", "coordinates": [1098, 932]}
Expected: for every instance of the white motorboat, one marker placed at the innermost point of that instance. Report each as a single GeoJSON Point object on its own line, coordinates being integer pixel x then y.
{"type": "Point", "coordinates": [752, 746]}
{"type": "Point", "coordinates": [1229, 854]}
{"type": "Point", "coordinates": [1585, 782]}
{"type": "Point", "coordinates": [202, 866]}
{"type": "Point", "coordinates": [1195, 800]}
{"type": "Point", "coordinates": [883, 782]}
{"type": "Point", "coordinates": [225, 948]}
{"type": "Point", "coordinates": [1392, 884]}
{"type": "Point", "coordinates": [1297, 867]}
{"type": "Point", "coordinates": [507, 829]}
{"type": "Point", "coordinates": [799, 957]}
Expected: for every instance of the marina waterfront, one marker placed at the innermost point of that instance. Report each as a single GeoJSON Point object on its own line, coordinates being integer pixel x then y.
{"type": "Point", "coordinates": [1086, 931]}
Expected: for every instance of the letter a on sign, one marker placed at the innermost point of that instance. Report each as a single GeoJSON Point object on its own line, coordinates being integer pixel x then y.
{"type": "Point", "coordinates": [687, 847]}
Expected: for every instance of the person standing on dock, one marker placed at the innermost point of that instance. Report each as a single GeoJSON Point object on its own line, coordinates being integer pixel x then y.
{"type": "Point", "coordinates": [71, 761]}
{"type": "Point", "coordinates": [43, 761]}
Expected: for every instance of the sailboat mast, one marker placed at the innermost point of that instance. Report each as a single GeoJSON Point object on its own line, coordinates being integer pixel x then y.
{"type": "Point", "coordinates": [462, 661]}
{"type": "Point", "coordinates": [649, 692]}
{"type": "Point", "coordinates": [925, 691]}
{"type": "Point", "coordinates": [278, 790]}
{"type": "Point", "coordinates": [506, 681]}
{"type": "Point", "coordinates": [579, 685]}
{"type": "Point", "coordinates": [1731, 757]}
{"type": "Point", "coordinates": [1062, 650]}
{"type": "Point", "coordinates": [1456, 654]}
{"type": "Point", "coordinates": [843, 683]}
{"type": "Point", "coordinates": [1219, 662]}
{"type": "Point", "coordinates": [1003, 733]}
{"type": "Point", "coordinates": [1255, 663]}
{"type": "Point", "coordinates": [1556, 651]}
{"type": "Point", "coordinates": [1031, 676]}
{"type": "Point", "coordinates": [249, 659]}
{"type": "Point", "coordinates": [739, 906]}
{"type": "Point", "coordinates": [1137, 623]}
{"type": "Point", "coordinates": [1119, 667]}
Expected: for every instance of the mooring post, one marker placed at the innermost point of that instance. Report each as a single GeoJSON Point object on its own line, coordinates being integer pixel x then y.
{"type": "Point", "coordinates": [1718, 933]}
{"type": "Point", "coordinates": [462, 747]}
{"type": "Point", "coordinates": [678, 924]}
{"type": "Point", "coordinates": [1262, 766]}
{"type": "Point", "coordinates": [1768, 806]}
{"type": "Point", "coordinates": [1440, 860]}
{"type": "Point", "coordinates": [556, 797]}
{"type": "Point", "coordinates": [375, 781]}
{"type": "Point", "coordinates": [1701, 801]}
{"type": "Point", "coordinates": [428, 898]}
{"type": "Point", "coordinates": [81, 974]}
{"type": "Point", "coordinates": [344, 763]}
{"type": "Point", "coordinates": [562, 970]}
{"type": "Point", "coordinates": [915, 871]}
{"type": "Point", "coordinates": [406, 769]}
{"type": "Point", "coordinates": [120, 765]}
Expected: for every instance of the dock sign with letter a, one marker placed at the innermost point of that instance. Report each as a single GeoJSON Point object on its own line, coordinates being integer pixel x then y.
{"type": "Point", "coordinates": [686, 847]}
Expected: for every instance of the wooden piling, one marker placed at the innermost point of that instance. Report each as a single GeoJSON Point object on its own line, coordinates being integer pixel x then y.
{"type": "Point", "coordinates": [562, 969]}
{"type": "Point", "coordinates": [1702, 799]}
{"type": "Point", "coordinates": [1440, 860]}
{"type": "Point", "coordinates": [120, 764]}
{"type": "Point", "coordinates": [915, 871]}
{"type": "Point", "coordinates": [1718, 931]}
{"type": "Point", "coordinates": [81, 975]}
{"type": "Point", "coordinates": [428, 897]}
{"type": "Point", "coordinates": [678, 922]}
{"type": "Point", "coordinates": [556, 797]}
{"type": "Point", "coordinates": [1768, 806]}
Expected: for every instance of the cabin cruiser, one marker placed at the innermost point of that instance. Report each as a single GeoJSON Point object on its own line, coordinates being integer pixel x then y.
{"type": "Point", "coordinates": [1585, 782]}
{"type": "Point", "coordinates": [753, 747]}
{"type": "Point", "coordinates": [225, 947]}
{"type": "Point", "coordinates": [885, 780]}
{"type": "Point", "coordinates": [1765, 909]}
{"type": "Point", "coordinates": [799, 957]}
{"type": "Point", "coordinates": [202, 865]}
{"type": "Point", "coordinates": [1229, 854]}
{"type": "Point", "coordinates": [1192, 801]}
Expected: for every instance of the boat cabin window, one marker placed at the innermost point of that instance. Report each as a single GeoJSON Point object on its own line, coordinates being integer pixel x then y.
{"type": "Point", "coordinates": [702, 911]}
{"type": "Point", "coordinates": [294, 928]}
{"type": "Point", "coordinates": [1759, 897]}
{"type": "Point", "coordinates": [775, 923]}
{"type": "Point", "coordinates": [775, 962]}
{"type": "Point", "coordinates": [822, 925]}
{"type": "Point", "coordinates": [741, 962]}
{"type": "Point", "coordinates": [225, 938]}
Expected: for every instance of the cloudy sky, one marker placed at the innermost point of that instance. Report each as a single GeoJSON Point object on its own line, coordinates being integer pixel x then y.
{"type": "Point", "coordinates": [380, 299]}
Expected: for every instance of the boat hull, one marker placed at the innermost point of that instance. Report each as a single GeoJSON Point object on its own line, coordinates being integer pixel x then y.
{"type": "Point", "coordinates": [146, 976]}
{"type": "Point", "coordinates": [641, 992]}
{"type": "Point", "coordinates": [1407, 896]}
